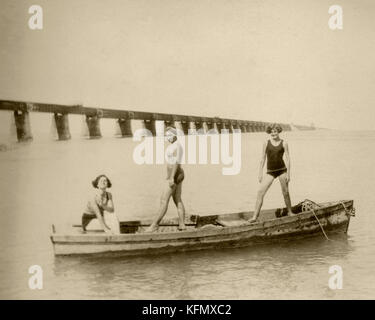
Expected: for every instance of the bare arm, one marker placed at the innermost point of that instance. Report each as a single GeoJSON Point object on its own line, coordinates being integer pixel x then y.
{"type": "Point", "coordinates": [262, 161]}
{"type": "Point", "coordinates": [109, 206]}
{"type": "Point", "coordinates": [287, 159]}
{"type": "Point", "coordinates": [95, 207]}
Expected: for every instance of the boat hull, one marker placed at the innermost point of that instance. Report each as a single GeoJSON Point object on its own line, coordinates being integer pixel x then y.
{"type": "Point", "coordinates": [333, 218]}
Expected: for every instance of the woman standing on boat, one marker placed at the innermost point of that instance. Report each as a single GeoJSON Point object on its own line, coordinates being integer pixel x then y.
{"type": "Point", "coordinates": [100, 203]}
{"type": "Point", "coordinates": [173, 184]}
{"type": "Point", "coordinates": [274, 149]}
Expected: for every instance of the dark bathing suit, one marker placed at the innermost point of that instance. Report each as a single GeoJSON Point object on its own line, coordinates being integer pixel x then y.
{"type": "Point", "coordinates": [275, 162]}
{"type": "Point", "coordinates": [179, 175]}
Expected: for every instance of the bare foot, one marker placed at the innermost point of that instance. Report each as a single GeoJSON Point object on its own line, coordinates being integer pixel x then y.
{"type": "Point", "coordinates": [151, 229]}
{"type": "Point", "coordinates": [290, 213]}
{"type": "Point", "coordinates": [182, 227]}
{"type": "Point", "coordinates": [252, 221]}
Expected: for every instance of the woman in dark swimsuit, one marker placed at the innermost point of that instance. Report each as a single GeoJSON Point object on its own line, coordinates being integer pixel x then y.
{"type": "Point", "coordinates": [173, 183]}
{"type": "Point", "coordinates": [274, 150]}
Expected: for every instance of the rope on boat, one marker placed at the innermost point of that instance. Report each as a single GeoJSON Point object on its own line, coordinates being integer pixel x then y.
{"type": "Point", "coordinates": [350, 212]}
{"type": "Point", "coordinates": [321, 227]}
{"type": "Point", "coordinates": [309, 205]}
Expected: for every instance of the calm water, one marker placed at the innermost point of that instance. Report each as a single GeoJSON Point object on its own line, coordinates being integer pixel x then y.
{"type": "Point", "coordinates": [47, 182]}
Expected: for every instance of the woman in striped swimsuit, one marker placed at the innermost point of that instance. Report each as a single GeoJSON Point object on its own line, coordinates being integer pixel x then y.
{"type": "Point", "coordinates": [274, 150]}
{"type": "Point", "coordinates": [173, 183]}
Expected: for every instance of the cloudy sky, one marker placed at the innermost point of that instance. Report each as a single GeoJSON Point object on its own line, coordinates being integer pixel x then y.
{"type": "Point", "coordinates": [265, 60]}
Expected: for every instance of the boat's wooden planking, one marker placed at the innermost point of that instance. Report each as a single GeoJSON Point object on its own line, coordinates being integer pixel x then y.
{"type": "Point", "coordinates": [333, 217]}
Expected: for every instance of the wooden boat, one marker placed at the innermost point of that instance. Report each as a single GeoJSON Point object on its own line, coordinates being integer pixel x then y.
{"type": "Point", "coordinates": [211, 231]}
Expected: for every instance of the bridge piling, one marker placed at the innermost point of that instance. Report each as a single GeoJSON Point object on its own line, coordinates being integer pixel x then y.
{"type": "Point", "coordinates": [169, 123]}
{"type": "Point", "coordinates": [205, 127]}
{"type": "Point", "coordinates": [230, 127]}
{"type": "Point", "coordinates": [210, 125]}
{"type": "Point", "coordinates": [192, 127]}
{"type": "Point", "coordinates": [149, 125]}
{"type": "Point", "coordinates": [62, 126]}
{"type": "Point", "coordinates": [198, 125]}
{"type": "Point", "coordinates": [215, 127]}
{"type": "Point", "coordinates": [125, 127]}
{"type": "Point", "coordinates": [223, 126]}
{"type": "Point", "coordinates": [93, 124]}
{"type": "Point", "coordinates": [235, 126]}
{"type": "Point", "coordinates": [185, 127]}
{"type": "Point", "coordinates": [180, 127]}
{"type": "Point", "coordinates": [23, 127]}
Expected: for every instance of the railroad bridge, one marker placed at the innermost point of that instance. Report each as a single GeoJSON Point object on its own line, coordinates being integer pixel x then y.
{"type": "Point", "coordinates": [186, 123]}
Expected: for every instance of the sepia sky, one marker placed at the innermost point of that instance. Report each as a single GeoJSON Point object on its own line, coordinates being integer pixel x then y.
{"type": "Point", "coordinates": [264, 60]}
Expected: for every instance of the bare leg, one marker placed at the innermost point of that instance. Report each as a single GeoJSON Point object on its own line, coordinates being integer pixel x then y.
{"type": "Point", "coordinates": [285, 190]}
{"type": "Point", "coordinates": [164, 201]}
{"type": "Point", "coordinates": [264, 186]}
{"type": "Point", "coordinates": [180, 206]}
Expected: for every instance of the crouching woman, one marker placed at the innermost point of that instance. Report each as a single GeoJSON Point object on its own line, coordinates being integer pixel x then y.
{"type": "Point", "coordinates": [100, 206]}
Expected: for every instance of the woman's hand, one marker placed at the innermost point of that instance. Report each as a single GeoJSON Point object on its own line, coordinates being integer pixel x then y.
{"type": "Point", "coordinates": [287, 177]}
{"type": "Point", "coordinates": [109, 206]}
{"type": "Point", "coordinates": [260, 177]}
{"type": "Point", "coordinates": [171, 183]}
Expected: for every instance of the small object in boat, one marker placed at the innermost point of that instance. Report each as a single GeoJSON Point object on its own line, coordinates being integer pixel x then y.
{"type": "Point", "coordinates": [281, 212]}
